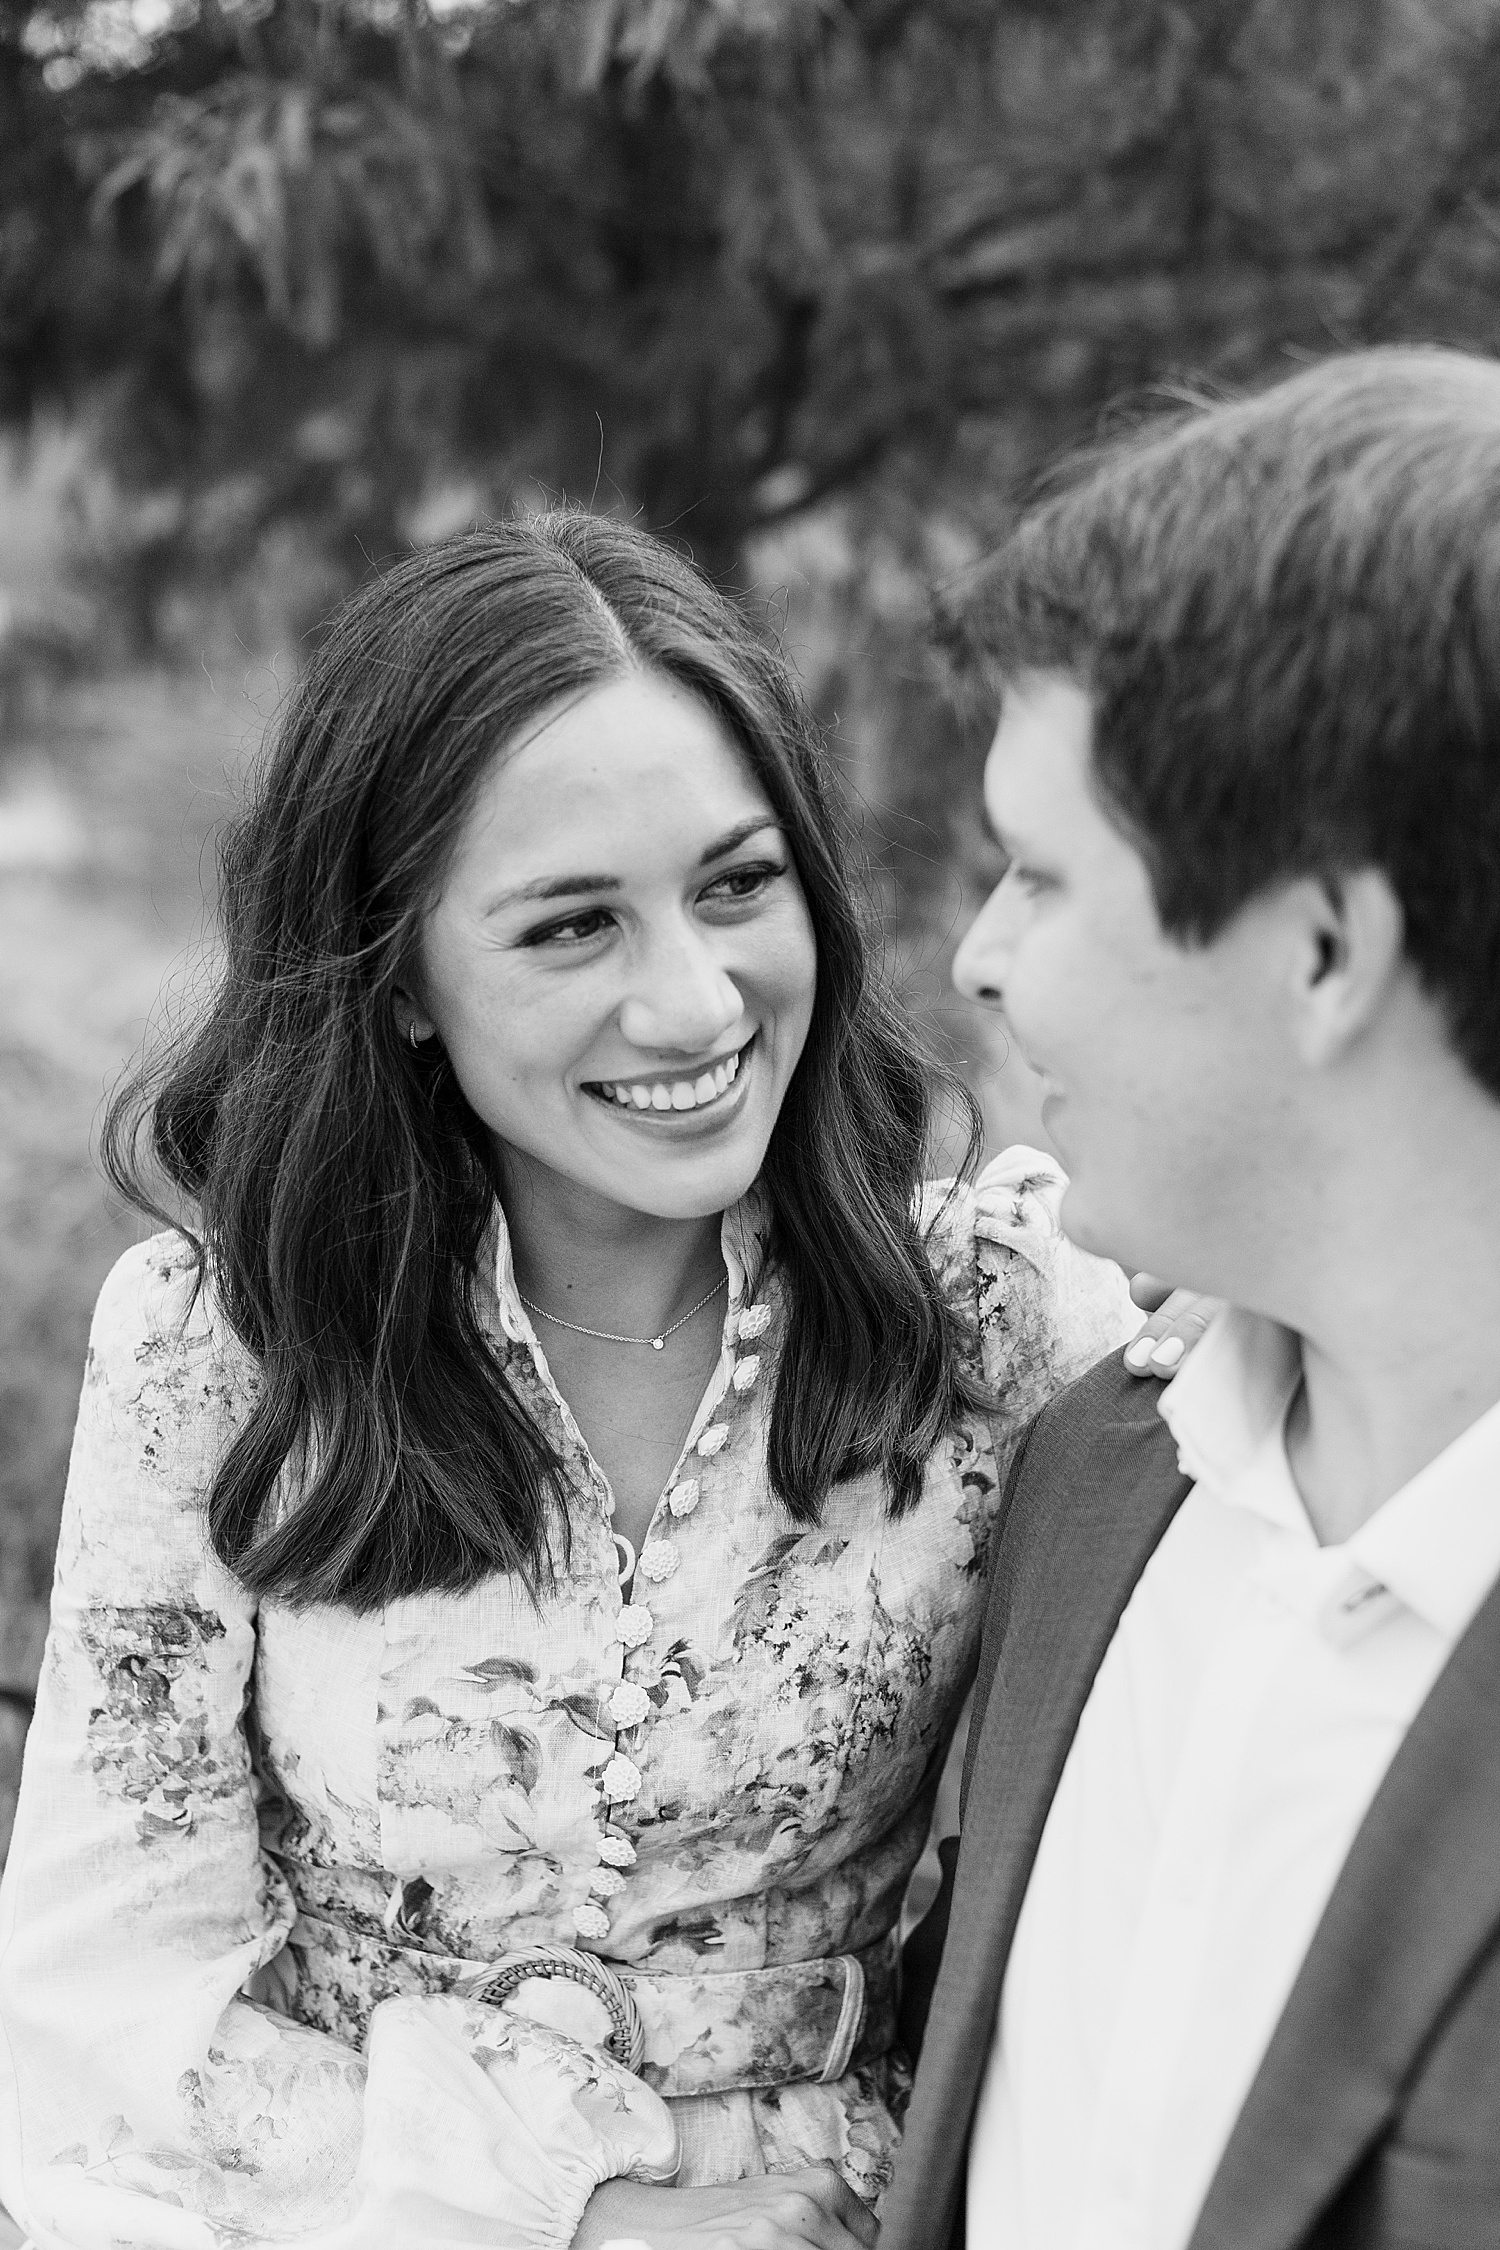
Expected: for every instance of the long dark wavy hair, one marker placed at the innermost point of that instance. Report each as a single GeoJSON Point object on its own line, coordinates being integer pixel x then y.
{"type": "Point", "coordinates": [343, 1188]}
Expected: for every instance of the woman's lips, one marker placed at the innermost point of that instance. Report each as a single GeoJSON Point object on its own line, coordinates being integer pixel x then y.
{"type": "Point", "coordinates": [669, 1100]}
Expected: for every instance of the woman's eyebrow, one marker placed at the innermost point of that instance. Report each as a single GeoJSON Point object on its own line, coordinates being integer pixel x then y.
{"type": "Point", "coordinates": [737, 836]}
{"type": "Point", "coordinates": [551, 886]}
{"type": "Point", "coordinates": [576, 886]}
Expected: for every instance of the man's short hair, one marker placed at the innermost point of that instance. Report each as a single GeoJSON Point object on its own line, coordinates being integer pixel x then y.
{"type": "Point", "coordinates": [1286, 610]}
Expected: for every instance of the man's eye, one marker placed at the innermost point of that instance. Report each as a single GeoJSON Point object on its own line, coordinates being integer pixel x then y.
{"type": "Point", "coordinates": [741, 883]}
{"type": "Point", "coordinates": [574, 930]}
{"type": "Point", "coordinates": [1027, 878]}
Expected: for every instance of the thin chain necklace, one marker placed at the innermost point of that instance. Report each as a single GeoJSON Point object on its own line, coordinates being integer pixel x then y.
{"type": "Point", "coordinates": [604, 1336]}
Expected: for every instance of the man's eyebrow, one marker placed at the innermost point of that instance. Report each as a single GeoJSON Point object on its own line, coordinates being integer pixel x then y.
{"type": "Point", "coordinates": [582, 885]}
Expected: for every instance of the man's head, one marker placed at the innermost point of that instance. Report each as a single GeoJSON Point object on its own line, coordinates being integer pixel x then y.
{"type": "Point", "coordinates": [1248, 775]}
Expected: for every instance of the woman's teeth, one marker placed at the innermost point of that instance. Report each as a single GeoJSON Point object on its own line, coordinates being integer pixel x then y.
{"type": "Point", "coordinates": [677, 1093]}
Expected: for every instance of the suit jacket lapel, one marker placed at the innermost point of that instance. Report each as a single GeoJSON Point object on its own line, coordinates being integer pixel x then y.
{"type": "Point", "coordinates": [1417, 1901]}
{"type": "Point", "coordinates": [1089, 1500]}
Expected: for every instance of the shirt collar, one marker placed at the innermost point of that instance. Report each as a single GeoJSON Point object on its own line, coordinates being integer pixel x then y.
{"type": "Point", "coordinates": [1231, 1397]}
{"type": "Point", "coordinates": [743, 1235]}
{"type": "Point", "coordinates": [1435, 1544]}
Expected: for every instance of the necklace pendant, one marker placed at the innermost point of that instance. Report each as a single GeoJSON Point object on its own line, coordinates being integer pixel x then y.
{"type": "Point", "coordinates": [658, 1343]}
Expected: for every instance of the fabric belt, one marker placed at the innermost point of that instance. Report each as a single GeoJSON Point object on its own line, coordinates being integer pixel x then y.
{"type": "Point", "coordinates": [705, 2031]}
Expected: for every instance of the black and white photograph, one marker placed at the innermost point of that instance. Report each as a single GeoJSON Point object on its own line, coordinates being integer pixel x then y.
{"type": "Point", "coordinates": [749, 1124]}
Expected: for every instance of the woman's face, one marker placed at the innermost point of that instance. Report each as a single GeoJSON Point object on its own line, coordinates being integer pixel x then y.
{"type": "Point", "coordinates": [620, 964]}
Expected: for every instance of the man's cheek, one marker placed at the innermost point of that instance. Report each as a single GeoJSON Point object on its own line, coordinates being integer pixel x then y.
{"type": "Point", "coordinates": [1038, 1009]}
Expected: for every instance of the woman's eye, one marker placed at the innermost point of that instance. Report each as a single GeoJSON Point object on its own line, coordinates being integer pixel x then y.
{"type": "Point", "coordinates": [576, 929]}
{"type": "Point", "coordinates": [738, 884]}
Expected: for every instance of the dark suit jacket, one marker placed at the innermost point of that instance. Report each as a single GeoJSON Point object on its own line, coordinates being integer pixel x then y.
{"type": "Point", "coordinates": [1374, 2122]}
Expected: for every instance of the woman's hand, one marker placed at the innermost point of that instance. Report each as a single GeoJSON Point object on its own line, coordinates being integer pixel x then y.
{"type": "Point", "coordinates": [1178, 1319]}
{"type": "Point", "coordinates": [779, 2211]}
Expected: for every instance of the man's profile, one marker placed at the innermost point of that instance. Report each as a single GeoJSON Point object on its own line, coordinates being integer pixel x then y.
{"type": "Point", "coordinates": [1223, 1948]}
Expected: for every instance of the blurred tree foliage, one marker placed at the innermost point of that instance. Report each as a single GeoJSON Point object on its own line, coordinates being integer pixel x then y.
{"type": "Point", "coordinates": [310, 260]}
{"type": "Point", "coordinates": [815, 283]}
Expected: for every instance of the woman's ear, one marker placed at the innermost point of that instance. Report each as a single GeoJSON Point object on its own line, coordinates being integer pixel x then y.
{"type": "Point", "coordinates": [1349, 954]}
{"type": "Point", "coordinates": [412, 1020]}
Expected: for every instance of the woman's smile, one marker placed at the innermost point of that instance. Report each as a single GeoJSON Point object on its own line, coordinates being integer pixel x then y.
{"type": "Point", "coordinates": [668, 1098]}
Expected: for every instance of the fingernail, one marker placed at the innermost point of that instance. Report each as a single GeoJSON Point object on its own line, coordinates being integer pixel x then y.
{"type": "Point", "coordinates": [1139, 1353]}
{"type": "Point", "coordinates": [1168, 1352]}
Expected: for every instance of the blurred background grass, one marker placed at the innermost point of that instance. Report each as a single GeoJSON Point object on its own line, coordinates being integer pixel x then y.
{"type": "Point", "coordinates": [110, 787]}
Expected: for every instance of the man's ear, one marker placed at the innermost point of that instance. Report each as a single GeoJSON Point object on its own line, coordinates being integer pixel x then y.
{"type": "Point", "coordinates": [1349, 954]}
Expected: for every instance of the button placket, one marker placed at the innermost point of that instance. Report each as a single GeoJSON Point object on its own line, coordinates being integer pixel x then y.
{"type": "Point", "coordinates": [617, 1778]}
{"type": "Point", "coordinates": [659, 1559]}
{"type": "Point", "coordinates": [632, 1705]}
{"type": "Point", "coordinates": [618, 1785]}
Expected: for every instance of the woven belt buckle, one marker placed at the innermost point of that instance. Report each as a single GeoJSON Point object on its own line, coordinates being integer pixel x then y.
{"type": "Point", "coordinates": [627, 2039]}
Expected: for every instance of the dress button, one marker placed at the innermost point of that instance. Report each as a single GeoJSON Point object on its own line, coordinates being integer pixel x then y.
{"type": "Point", "coordinates": [658, 1560]}
{"type": "Point", "coordinates": [620, 1780]}
{"type": "Point", "coordinates": [629, 1704]}
{"type": "Point", "coordinates": [634, 1626]}
{"type": "Point", "coordinates": [683, 1498]}
{"type": "Point", "coordinates": [712, 1439]}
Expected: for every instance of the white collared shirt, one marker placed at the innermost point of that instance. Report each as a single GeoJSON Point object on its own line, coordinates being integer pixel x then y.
{"type": "Point", "coordinates": [1254, 1694]}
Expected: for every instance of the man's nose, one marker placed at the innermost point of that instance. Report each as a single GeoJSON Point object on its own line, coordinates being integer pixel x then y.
{"type": "Point", "coordinates": [682, 1000]}
{"type": "Point", "coordinates": [980, 962]}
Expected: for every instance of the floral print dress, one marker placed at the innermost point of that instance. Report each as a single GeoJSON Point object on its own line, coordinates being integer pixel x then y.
{"type": "Point", "coordinates": [264, 1854]}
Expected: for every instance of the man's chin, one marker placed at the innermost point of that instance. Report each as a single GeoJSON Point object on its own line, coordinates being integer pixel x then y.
{"type": "Point", "coordinates": [1083, 1222]}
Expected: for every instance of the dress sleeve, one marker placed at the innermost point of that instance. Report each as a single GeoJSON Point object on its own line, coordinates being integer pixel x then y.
{"type": "Point", "coordinates": [1047, 1311]}
{"type": "Point", "coordinates": [145, 2097]}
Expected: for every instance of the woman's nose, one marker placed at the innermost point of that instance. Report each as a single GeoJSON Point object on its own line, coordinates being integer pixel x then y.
{"type": "Point", "coordinates": [683, 999]}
